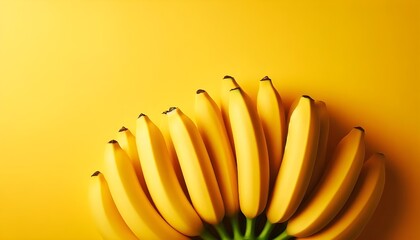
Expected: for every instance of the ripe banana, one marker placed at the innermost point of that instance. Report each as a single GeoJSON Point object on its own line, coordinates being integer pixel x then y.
{"type": "Point", "coordinates": [163, 126]}
{"type": "Point", "coordinates": [132, 203]}
{"type": "Point", "coordinates": [212, 129]}
{"type": "Point", "coordinates": [334, 188]}
{"type": "Point", "coordinates": [127, 142]}
{"type": "Point", "coordinates": [298, 161]}
{"type": "Point", "coordinates": [228, 83]}
{"type": "Point", "coordinates": [196, 167]}
{"type": "Point", "coordinates": [271, 111]}
{"type": "Point", "coordinates": [321, 160]}
{"type": "Point", "coordinates": [251, 154]}
{"type": "Point", "coordinates": [361, 205]}
{"type": "Point", "coordinates": [162, 181]}
{"type": "Point", "coordinates": [108, 220]}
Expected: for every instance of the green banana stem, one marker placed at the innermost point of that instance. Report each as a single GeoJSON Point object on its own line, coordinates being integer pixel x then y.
{"type": "Point", "coordinates": [283, 236]}
{"type": "Point", "coordinates": [235, 227]}
{"type": "Point", "coordinates": [222, 231]}
{"type": "Point", "coordinates": [250, 228]}
{"type": "Point", "coordinates": [206, 235]}
{"type": "Point", "coordinates": [265, 233]}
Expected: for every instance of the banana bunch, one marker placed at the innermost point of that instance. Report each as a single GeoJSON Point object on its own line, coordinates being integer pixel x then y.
{"type": "Point", "coordinates": [243, 170]}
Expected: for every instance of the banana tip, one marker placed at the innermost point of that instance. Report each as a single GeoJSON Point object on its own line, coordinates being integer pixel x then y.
{"type": "Point", "coordinates": [113, 141]}
{"type": "Point", "coordinates": [169, 110]}
{"type": "Point", "coordinates": [228, 77]}
{"type": "Point", "coordinates": [200, 91]}
{"type": "Point", "coordinates": [122, 129]}
{"type": "Point", "coordinates": [141, 115]}
{"type": "Point", "coordinates": [96, 173]}
{"type": "Point", "coordinates": [360, 128]}
{"type": "Point", "coordinates": [266, 78]}
{"type": "Point", "coordinates": [237, 88]}
{"type": "Point", "coordinates": [381, 154]}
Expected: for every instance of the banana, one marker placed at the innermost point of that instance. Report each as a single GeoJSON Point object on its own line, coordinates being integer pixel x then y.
{"type": "Point", "coordinates": [361, 205]}
{"type": "Point", "coordinates": [298, 161]}
{"type": "Point", "coordinates": [162, 181]}
{"type": "Point", "coordinates": [228, 83]}
{"type": "Point", "coordinates": [163, 126]}
{"type": "Point", "coordinates": [106, 216]}
{"type": "Point", "coordinates": [271, 111]}
{"type": "Point", "coordinates": [251, 154]}
{"type": "Point", "coordinates": [334, 188]}
{"type": "Point", "coordinates": [196, 167]}
{"type": "Point", "coordinates": [131, 201]}
{"type": "Point", "coordinates": [212, 129]}
{"type": "Point", "coordinates": [127, 142]}
{"type": "Point", "coordinates": [320, 162]}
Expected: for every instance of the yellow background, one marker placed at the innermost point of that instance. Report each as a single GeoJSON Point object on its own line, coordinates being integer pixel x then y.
{"type": "Point", "coordinates": [73, 72]}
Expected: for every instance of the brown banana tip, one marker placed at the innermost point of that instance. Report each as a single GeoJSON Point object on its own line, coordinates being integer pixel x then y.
{"type": "Point", "coordinates": [141, 115]}
{"type": "Point", "coordinates": [360, 128]}
{"type": "Point", "coordinates": [307, 96]}
{"type": "Point", "coordinates": [169, 110]}
{"type": "Point", "coordinates": [122, 129]}
{"type": "Point", "coordinates": [228, 77]}
{"type": "Point", "coordinates": [113, 141]}
{"type": "Point", "coordinates": [237, 88]}
{"type": "Point", "coordinates": [96, 173]}
{"type": "Point", "coordinates": [200, 91]}
{"type": "Point", "coordinates": [381, 154]}
{"type": "Point", "coordinates": [266, 78]}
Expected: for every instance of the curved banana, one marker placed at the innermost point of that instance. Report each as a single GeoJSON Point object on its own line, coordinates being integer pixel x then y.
{"type": "Point", "coordinates": [334, 188]}
{"type": "Point", "coordinates": [298, 161]}
{"type": "Point", "coordinates": [163, 126]}
{"type": "Point", "coordinates": [162, 181]}
{"type": "Point", "coordinates": [196, 167]}
{"type": "Point", "coordinates": [228, 83]}
{"type": "Point", "coordinates": [127, 142]}
{"type": "Point", "coordinates": [251, 154]}
{"type": "Point", "coordinates": [271, 111]}
{"type": "Point", "coordinates": [108, 220]}
{"type": "Point", "coordinates": [321, 160]}
{"type": "Point", "coordinates": [212, 129]}
{"type": "Point", "coordinates": [131, 201]}
{"type": "Point", "coordinates": [361, 205]}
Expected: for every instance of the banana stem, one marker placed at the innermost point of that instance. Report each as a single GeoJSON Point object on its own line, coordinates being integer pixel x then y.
{"type": "Point", "coordinates": [222, 231]}
{"type": "Point", "coordinates": [283, 236]}
{"type": "Point", "coordinates": [250, 228]}
{"type": "Point", "coordinates": [235, 227]}
{"type": "Point", "coordinates": [207, 236]}
{"type": "Point", "coordinates": [265, 233]}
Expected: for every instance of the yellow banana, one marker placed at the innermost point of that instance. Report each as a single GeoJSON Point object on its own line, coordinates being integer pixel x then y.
{"type": "Point", "coordinates": [251, 154]}
{"type": "Point", "coordinates": [108, 220]}
{"type": "Point", "coordinates": [212, 129]}
{"type": "Point", "coordinates": [334, 188]}
{"type": "Point", "coordinates": [298, 161]}
{"type": "Point", "coordinates": [271, 111]}
{"type": "Point", "coordinates": [361, 205]}
{"type": "Point", "coordinates": [131, 201]}
{"type": "Point", "coordinates": [228, 83]}
{"type": "Point", "coordinates": [127, 142]}
{"type": "Point", "coordinates": [162, 181]}
{"type": "Point", "coordinates": [163, 126]}
{"type": "Point", "coordinates": [196, 167]}
{"type": "Point", "coordinates": [321, 159]}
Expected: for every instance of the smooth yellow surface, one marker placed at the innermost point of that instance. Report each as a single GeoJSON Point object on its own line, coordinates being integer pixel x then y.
{"type": "Point", "coordinates": [73, 72]}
